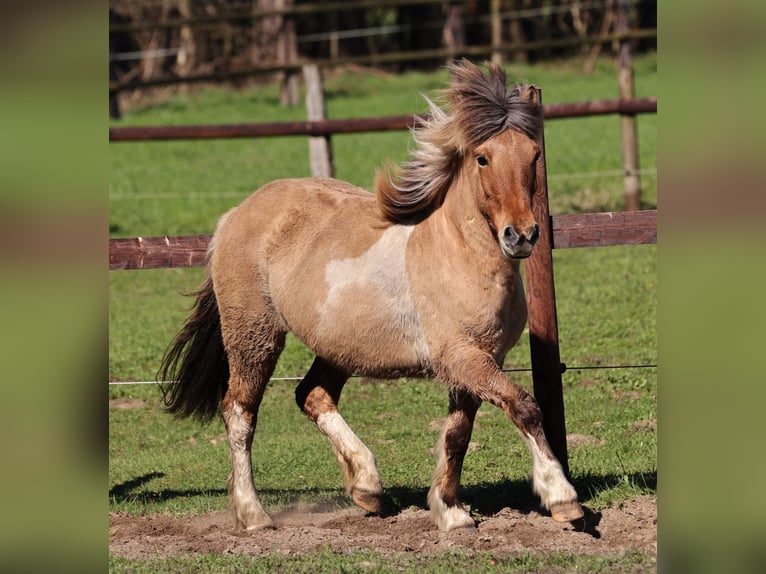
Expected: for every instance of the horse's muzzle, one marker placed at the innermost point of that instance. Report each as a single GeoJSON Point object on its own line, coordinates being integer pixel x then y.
{"type": "Point", "coordinates": [516, 244]}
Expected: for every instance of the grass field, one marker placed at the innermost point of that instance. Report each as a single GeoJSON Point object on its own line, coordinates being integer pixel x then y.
{"type": "Point", "coordinates": [606, 310]}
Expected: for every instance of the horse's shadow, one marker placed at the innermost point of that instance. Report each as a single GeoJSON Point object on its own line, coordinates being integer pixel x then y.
{"type": "Point", "coordinates": [484, 499]}
{"type": "Point", "coordinates": [131, 491]}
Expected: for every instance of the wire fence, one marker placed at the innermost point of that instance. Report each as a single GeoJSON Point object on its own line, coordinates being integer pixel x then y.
{"type": "Point", "coordinates": [564, 368]}
{"type": "Point", "coordinates": [223, 194]}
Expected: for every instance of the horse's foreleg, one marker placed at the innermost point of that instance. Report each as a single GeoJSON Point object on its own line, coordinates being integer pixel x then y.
{"type": "Point", "coordinates": [443, 497]}
{"type": "Point", "coordinates": [317, 395]}
{"type": "Point", "coordinates": [548, 479]}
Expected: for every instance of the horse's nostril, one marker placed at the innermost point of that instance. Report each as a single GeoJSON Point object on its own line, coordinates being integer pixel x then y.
{"type": "Point", "coordinates": [513, 237]}
{"type": "Point", "coordinates": [535, 234]}
{"type": "Point", "coordinates": [510, 234]}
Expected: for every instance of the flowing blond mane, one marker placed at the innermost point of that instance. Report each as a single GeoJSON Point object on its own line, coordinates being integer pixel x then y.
{"type": "Point", "coordinates": [477, 107]}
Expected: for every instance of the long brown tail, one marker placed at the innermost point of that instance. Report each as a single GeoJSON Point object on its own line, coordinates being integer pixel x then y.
{"type": "Point", "coordinates": [195, 369]}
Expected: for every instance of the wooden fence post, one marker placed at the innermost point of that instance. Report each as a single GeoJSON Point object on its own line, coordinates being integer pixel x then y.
{"type": "Point", "coordinates": [631, 182]}
{"type": "Point", "coordinates": [543, 324]}
{"type": "Point", "coordinates": [320, 147]}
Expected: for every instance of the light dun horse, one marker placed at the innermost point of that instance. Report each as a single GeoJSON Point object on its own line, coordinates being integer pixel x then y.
{"type": "Point", "coordinates": [421, 279]}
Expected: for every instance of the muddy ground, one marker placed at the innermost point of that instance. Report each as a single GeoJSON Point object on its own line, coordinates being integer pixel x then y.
{"type": "Point", "coordinates": [611, 532]}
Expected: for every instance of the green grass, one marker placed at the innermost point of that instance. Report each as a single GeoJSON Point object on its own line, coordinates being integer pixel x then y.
{"type": "Point", "coordinates": [180, 187]}
{"type": "Point", "coordinates": [606, 302]}
{"type": "Point", "coordinates": [329, 562]}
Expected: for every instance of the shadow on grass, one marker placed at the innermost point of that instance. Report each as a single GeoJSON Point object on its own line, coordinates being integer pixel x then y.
{"type": "Point", "coordinates": [119, 492]}
{"type": "Point", "coordinates": [485, 499]}
{"type": "Point", "coordinates": [488, 498]}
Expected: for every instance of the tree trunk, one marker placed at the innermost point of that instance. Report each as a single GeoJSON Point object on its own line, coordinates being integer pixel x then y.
{"type": "Point", "coordinates": [287, 53]}
{"type": "Point", "coordinates": [517, 35]}
{"type": "Point", "coordinates": [265, 33]}
{"type": "Point", "coordinates": [454, 29]}
{"type": "Point", "coordinates": [186, 59]}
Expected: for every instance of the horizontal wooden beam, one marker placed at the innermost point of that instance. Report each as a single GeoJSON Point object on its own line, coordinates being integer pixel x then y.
{"type": "Point", "coordinates": [604, 229]}
{"type": "Point", "coordinates": [355, 125]}
{"type": "Point", "coordinates": [266, 129]}
{"type": "Point", "coordinates": [158, 252]}
{"type": "Point", "coordinates": [584, 230]}
{"type": "Point", "coordinates": [600, 107]}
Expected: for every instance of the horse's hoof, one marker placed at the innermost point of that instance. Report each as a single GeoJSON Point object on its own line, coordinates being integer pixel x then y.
{"type": "Point", "coordinates": [566, 511]}
{"type": "Point", "coordinates": [252, 524]}
{"type": "Point", "coordinates": [455, 519]}
{"type": "Point", "coordinates": [261, 526]}
{"type": "Point", "coordinates": [366, 500]}
{"type": "Point", "coordinates": [465, 529]}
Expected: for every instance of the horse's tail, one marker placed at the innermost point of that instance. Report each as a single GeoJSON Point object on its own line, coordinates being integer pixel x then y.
{"type": "Point", "coordinates": [195, 369]}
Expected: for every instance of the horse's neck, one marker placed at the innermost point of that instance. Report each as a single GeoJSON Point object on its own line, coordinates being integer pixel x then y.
{"type": "Point", "coordinates": [459, 216]}
{"type": "Point", "coordinates": [458, 234]}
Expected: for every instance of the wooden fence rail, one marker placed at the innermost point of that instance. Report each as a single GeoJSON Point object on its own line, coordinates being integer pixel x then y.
{"type": "Point", "coordinates": [356, 125]}
{"type": "Point", "coordinates": [584, 230]}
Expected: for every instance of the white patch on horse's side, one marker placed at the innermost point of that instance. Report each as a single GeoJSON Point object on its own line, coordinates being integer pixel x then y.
{"type": "Point", "coordinates": [548, 479]}
{"type": "Point", "coordinates": [358, 462]}
{"type": "Point", "coordinates": [448, 517]}
{"type": "Point", "coordinates": [381, 271]}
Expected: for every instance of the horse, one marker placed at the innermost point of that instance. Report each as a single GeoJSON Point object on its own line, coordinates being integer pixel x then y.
{"type": "Point", "coordinates": [420, 279]}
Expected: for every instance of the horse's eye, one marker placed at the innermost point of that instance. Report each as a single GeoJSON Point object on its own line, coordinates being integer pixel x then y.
{"type": "Point", "coordinates": [482, 160]}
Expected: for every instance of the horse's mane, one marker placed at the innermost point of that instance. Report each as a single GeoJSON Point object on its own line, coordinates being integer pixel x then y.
{"type": "Point", "coordinates": [477, 108]}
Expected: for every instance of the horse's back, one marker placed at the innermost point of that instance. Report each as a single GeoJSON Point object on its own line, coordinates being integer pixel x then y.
{"type": "Point", "coordinates": [275, 218]}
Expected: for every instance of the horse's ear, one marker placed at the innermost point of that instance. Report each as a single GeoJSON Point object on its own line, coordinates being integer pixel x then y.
{"type": "Point", "coordinates": [531, 93]}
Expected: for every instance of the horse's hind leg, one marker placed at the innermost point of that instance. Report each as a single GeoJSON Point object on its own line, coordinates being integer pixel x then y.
{"type": "Point", "coordinates": [443, 497]}
{"type": "Point", "coordinates": [253, 352]}
{"type": "Point", "coordinates": [317, 395]}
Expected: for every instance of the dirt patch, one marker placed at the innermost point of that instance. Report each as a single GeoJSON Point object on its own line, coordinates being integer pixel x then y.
{"type": "Point", "coordinates": [611, 532]}
{"type": "Point", "coordinates": [126, 404]}
{"type": "Point", "coordinates": [649, 424]}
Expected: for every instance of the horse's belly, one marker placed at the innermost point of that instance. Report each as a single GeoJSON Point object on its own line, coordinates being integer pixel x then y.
{"type": "Point", "coordinates": [371, 342]}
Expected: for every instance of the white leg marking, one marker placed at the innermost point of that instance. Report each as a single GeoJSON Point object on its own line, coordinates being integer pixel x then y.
{"type": "Point", "coordinates": [446, 517]}
{"type": "Point", "coordinates": [548, 480]}
{"type": "Point", "coordinates": [247, 509]}
{"type": "Point", "coordinates": [360, 469]}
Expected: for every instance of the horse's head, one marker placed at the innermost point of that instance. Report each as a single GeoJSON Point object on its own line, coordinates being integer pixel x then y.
{"type": "Point", "coordinates": [489, 134]}
{"type": "Point", "coordinates": [504, 168]}
{"type": "Point", "coordinates": [498, 130]}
